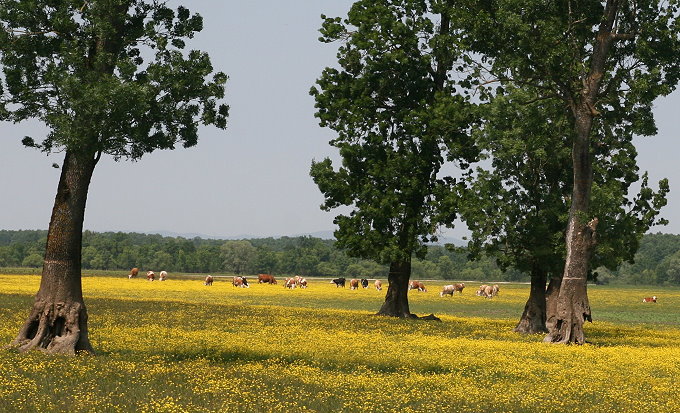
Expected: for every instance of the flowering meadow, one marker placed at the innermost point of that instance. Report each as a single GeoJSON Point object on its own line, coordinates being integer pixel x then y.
{"type": "Point", "coordinates": [180, 346]}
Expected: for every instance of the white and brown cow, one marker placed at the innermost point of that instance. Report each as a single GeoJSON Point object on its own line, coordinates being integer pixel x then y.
{"type": "Point", "coordinates": [489, 291]}
{"type": "Point", "coordinates": [208, 280]}
{"type": "Point", "coordinates": [240, 282]}
{"type": "Point", "coordinates": [150, 275]}
{"type": "Point", "coordinates": [651, 299]}
{"type": "Point", "coordinates": [482, 290]}
{"type": "Point", "coordinates": [417, 285]}
{"type": "Point", "coordinates": [447, 290]}
{"type": "Point", "coordinates": [378, 285]}
{"type": "Point", "coordinates": [162, 276]}
{"type": "Point", "coordinates": [133, 273]}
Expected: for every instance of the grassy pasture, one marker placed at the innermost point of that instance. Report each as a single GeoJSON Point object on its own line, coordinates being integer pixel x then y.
{"type": "Point", "coordinates": [180, 346]}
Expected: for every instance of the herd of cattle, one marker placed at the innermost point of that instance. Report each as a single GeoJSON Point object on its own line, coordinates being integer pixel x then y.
{"type": "Point", "coordinates": [487, 291]}
{"type": "Point", "coordinates": [150, 275]}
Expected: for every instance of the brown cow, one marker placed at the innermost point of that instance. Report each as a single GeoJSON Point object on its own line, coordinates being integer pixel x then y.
{"type": "Point", "coordinates": [651, 299]}
{"type": "Point", "coordinates": [417, 285]}
{"type": "Point", "coordinates": [482, 289]}
{"type": "Point", "coordinates": [208, 280]}
{"type": "Point", "coordinates": [378, 285]}
{"type": "Point", "coordinates": [266, 279]}
{"type": "Point", "coordinates": [458, 287]}
{"type": "Point", "coordinates": [163, 276]}
{"type": "Point", "coordinates": [133, 273]}
{"type": "Point", "coordinates": [150, 275]}
{"type": "Point", "coordinates": [353, 284]}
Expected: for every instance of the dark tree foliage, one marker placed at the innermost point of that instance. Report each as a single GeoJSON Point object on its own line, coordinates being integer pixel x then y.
{"type": "Point", "coordinates": [106, 77]}
{"type": "Point", "coordinates": [606, 62]}
{"type": "Point", "coordinates": [518, 208]}
{"type": "Point", "coordinates": [394, 105]}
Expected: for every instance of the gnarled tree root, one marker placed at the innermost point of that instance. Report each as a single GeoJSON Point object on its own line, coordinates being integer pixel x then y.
{"type": "Point", "coordinates": [57, 328]}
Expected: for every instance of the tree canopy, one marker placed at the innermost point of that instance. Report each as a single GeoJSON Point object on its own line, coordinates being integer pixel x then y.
{"type": "Point", "coordinates": [110, 76]}
{"type": "Point", "coordinates": [398, 116]}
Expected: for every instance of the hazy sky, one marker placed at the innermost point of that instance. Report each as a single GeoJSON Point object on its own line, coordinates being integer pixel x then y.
{"type": "Point", "coordinates": [253, 178]}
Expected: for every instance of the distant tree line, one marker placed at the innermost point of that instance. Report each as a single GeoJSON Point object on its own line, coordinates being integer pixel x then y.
{"type": "Point", "coordinates": [656, 262]}
{"type": "Point", "coordinates": [303, 255]}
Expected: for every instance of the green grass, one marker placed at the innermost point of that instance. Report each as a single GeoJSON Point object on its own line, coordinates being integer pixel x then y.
{"type": "Point", "coordinates": [181, 346]}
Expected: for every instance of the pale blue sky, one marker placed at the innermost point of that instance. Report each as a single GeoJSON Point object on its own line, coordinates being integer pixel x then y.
{"type": "Point", "coordinates": [253, 178]}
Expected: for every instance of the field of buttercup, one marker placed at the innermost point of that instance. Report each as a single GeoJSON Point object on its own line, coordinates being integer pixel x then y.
{"type": "Point", "coordinates": [179, 346]}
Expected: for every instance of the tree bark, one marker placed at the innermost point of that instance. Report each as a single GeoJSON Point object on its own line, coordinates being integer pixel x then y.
{"type": "Point", "coordinates": [396, 298]}
{"type": "Point", "coordinates": [534, 316]}
{"type": "Point", "coordinates": [58, 321]}
{"type": "Point", "coordinates": [572, 306]}
{"type": "Point", "coordinates": [551, 295]}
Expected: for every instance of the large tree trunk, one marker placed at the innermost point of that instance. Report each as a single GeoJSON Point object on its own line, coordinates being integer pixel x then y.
{"type": "Point", "coordinates": [534, 315]}
{"type": "Point", "coordinates": [396, 299]}
{"type": "Point", "coordinates": [551, 295]}
{"type": "Point", "coordinates": [58, 321]}
{"type": "Point", "coordinates": [573, 308]}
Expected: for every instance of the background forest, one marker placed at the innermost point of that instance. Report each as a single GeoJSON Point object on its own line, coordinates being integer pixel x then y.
{"type": "Point", "coordinates": [656, 262]}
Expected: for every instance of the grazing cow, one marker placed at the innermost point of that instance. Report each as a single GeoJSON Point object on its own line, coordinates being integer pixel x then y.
{"type": "Point", "coordinates": [459, 287]}
{"type": "Point", "coordinates": [133, 273]}
{"type": "Point", "coordinates": [490, 291]}
{"type": "Point", "coordinates": [339, 282]}
{"type": "Point", "coordinates": [240, 282]}
{"type": "Point", "coordinates": [150, 275]}
{"type": "Point", "coordinates": [163, 276]}
{"type": "Point", "coordinates": [651, 299]}
{"type": "Point", "coordinates": [364, 283]}
{"type": "Point", "coordinates": [290, 283]}
{"type": "Point", "coordinates": [302, 282]}
{"type": "Point", "coordinates": [353, 284]}
{"type": "Point", "coordinates": [266, 279]}
{"type": "Point", "coordinates": [208, 280]}
{"type": "Point", "coordinates": [417, 285]}
{"type": "Point", "coordinates": [378, 285]}
{"type": "Point", "coordinates": [447, 290]}
{"type": "Point", "coordinates": [482, 289]}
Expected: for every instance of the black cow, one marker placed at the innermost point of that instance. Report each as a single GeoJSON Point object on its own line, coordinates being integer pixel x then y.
{"type": "Point", "coordinates": [339, 282]}
{"type": "Point", "coordinates": [364, 283]}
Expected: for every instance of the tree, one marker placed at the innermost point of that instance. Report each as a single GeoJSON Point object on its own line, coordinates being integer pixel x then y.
{"type": "Point", "coordinates": [238, 256]}
{"type": "Point", "coordinates": [80, 68]}
{"type": "Point", "coordinates": [398, 118]}
{"type": "Point", "coordinates": [519, 205]}
{"type": "Point", "coordinates": [606, 62]}
{"type": "Point", "coordinates": [33, 260]}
